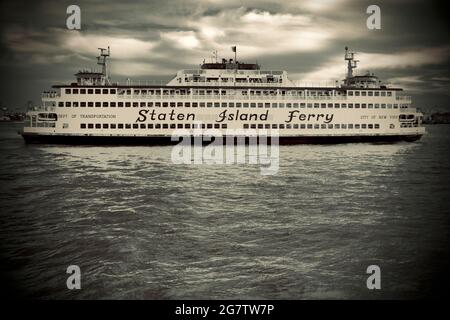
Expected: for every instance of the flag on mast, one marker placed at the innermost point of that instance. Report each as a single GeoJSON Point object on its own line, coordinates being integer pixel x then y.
{"type": "Point", "coordinates": [233, 48]}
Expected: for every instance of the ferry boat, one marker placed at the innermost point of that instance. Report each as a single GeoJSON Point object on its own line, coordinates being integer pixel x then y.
{"type": "Point", "coordinates": [223, 95]}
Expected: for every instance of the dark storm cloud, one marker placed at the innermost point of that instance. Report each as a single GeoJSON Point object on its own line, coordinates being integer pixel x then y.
{"type": "Point", "coordinates": [153, 39]}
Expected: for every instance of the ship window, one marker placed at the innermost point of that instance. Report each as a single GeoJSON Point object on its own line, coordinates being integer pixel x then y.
{"type": "Point", "coordinates": [344, 105]}
{"type": "Point", "coordinates": [245, 125]}
{"type": "Point", "coordinates": [97, 91]}
{"type": "Point", "coordinates": [310, 126]}
{"type": "Point", "coordinates": [370, 106]}
{"type": "Point", "coordinates": [238, 104]}
{"type": "Point", "coordinates": [90, 104]}
{"type": "Point", "coordinates": [350, 93]}
{"type": "Point", "coordinates": [83, 126]}
{"type": "Point", "coordinates": [253, 126]}
{"type": "Point", "coordinates": [157, 104]}
{"type": "Point", "coordinates": [127, 104]}
{"type": "Point", "coordinates": [105, 126]}
{"type": "Point", "coordinates": [245, 105]}
{"type": "Point", "coordinates": [179, 104]}
{"type": "Point", "coordinates": [105, 104]}
{"type": "Point", "coordinates": [377, 106]}
{"type": "Point", "coordinates": [105, 91]}
{"type": "Point", "coordinates": [389, 93]}
{"type": "Point", "coordinates": [395, 106]}
{"type": "Point", "coordinates": [112, 104]}
{"type": "Point", "coordinates": [209, 104]}
{"type": "Point", "coordinates": [316, 105]}
{"type": "Point", "coordinates": [350, 105]}
{"type": "Point", "coordinates": [370, 93]}
{"type": "Point", "coordinates": [150, 126]}
{"type": "Point", "coordinates": [165, 126]}
{"type": "Point", "coordinates": [98, 104]}
{"type": "Point", "coordinates": [330, 105]}
{"type": "Point", "coordinates": [75, 104]}
{"type": "Point", "coordinates": [98, 126]}
{"type": "Point", "coordinates": [357, 126]}
{"type": "Point", "coordinates": [363, 126]}
{"type": "Point", "coordinates": [363, 93]}
{"type": "Point", "coordinates": [83, 104]}
{"type": "Point", "coordinates": [143, 126]}
{"type": "Point", "coordinates": [75, 91]}
{"type": "Point", "coordinates": [323, 126]}
{"type": "Point", "coordinates": [90, 91]}
{"type": "Point", "coordinates": [90, 126]}
{"type": "Point", "coordinates": [135, 126]}
{"type": "Point", "coordinates": [209, 126]}
{"type": "Point", "coordinates": [363, 106]}
{"type": "Point", "coordinates": [203, 126]}
{"type": "Point", "coordinates": [127, 126]}
{"type": "Point", "coordinates": [173, 126]}
{"type": "Point", "coordinates": [323, 105]}
{"type": "Point", "coordinates": [172, 104]}
{"type": "Point", "coordinates": [377, 126]}
{"type": "Point", "coordinates": [302, 105]}
{"type": "Point", "coordinates": [187, 104]}
{"type": "Point", "coordinates": [158, 126]}
{"type": "Point", "coordinates": [142, 104]}
{"type": "Point", "coordinates": [202, 104]}
{"type": "Point", "coordinates": [224, 125]}
{"type": "Point", "coordinates": [217, 126]}
{"type": "Point", "coordinates": [344, 126]}
{"type": "Point", "coordinates": [370, 126]}
{"type": "Point", "coordinates": [383, 106]}
{"type": "Point", "coordinates": [383, 93]}
{"type": "Point", "coordinates": [336, 105]}
{"type": "Point", "coordinates": [113, 125]}
{"type": "Point", "coordinates": [350, 126]}
{"type": "Point", "coordinates": [180, 126]}
{"type": "Point", "coordinates": [274, 105]}
{"type": "Point", "coordinates": [112, 91]}
{"type": "Point", "coordinates": [336, 126]}
{"type": "Point", "coordinates": [231, 104]}
{"type": "Point", "coordinates": [120, 126]}
{"type": "Point", "coordinates": [288, 105]}
{"type": "Point", "coordinates": [82, 91]}
{"type": "Point", "coordinates": [316, 126]}
{"type": "Point", "coordinates": [135, 104]}
{"type": "Point", "coordinates": [253, 105]}
{"type": "Point", "coordinates": [68, 91]}
{"type": "Point", "coordinates": [150, 104]}
{"type": "Point", "coordinates": [356, 105]}
{"type": "Point", "coordinates": [67, 104]}
{"type": "Point", "coordinates": [376, 93]}
{"type": "Point", "coordinates": [357, 93]}
{"type": "Point", "coordinates": [60, 104]}
{"type": "Point", "coordinates": [120, 104]}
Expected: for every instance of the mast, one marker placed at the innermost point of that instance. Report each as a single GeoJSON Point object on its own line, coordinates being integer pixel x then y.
{"type": "Point", "coordinates": [101, 60]}
{"type": "Point", "coordinates": [351, 62]}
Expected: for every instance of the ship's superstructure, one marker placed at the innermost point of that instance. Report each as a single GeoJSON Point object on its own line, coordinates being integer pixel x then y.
{"type": "Point", "coordinates": [223, 95]}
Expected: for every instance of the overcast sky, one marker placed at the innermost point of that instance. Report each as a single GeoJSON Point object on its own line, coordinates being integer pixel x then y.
{"type": "Point", "coordinates": [153, 39]}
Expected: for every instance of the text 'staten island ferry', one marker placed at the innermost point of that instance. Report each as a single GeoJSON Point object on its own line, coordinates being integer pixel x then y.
{"type": "Point", "coordinates": [222, 95]}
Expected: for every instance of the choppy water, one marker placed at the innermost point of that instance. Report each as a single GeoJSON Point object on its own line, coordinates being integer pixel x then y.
{"type": "Point", "coordinates": [141, 227]}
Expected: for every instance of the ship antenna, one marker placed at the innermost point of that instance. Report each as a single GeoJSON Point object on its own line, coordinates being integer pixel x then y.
{"type": "Point", "coordinates": [351, 62]}
{"type": "Point", "coordinates": [101, 60]}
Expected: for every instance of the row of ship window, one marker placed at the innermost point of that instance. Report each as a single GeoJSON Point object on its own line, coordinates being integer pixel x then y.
{"type": "Point", "coordinates": [231, 105]}
{"type": "Point", "coordinates": [357, 93]}
{"type": "Point", "coordinates": [224, 126]}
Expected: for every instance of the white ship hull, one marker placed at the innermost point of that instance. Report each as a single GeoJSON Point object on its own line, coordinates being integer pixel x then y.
{"type": "Point", "coordinates": [88, 112]}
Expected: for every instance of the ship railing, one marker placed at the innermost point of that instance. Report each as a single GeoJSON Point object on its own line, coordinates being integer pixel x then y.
{"type": "Point", "coordinates": [230, 97]}
{"type": "Point", "coordinates": [50, 95]}
{"type": "Point", "coordinates": [288, 84]}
